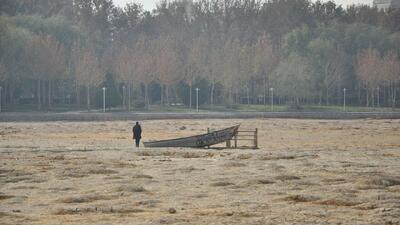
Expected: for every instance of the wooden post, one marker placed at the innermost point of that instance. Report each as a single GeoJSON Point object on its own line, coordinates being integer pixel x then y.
{"type": "Point", "coordinates": [256, 139]}
{"type": "Point", "coordinates": [235, 140]}
{"type": "Point", "coordinates": [208, 131]}
{"type": "Point", "coordinates": [228, 144]}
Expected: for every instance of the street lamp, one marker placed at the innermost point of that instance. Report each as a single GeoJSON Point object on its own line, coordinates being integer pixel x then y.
{"type": "Point", "coordinates": [344, 99]}
{"type": "Point", "coordinates": [197, 99]}
{"type": "Point", "coordinates": [104, 99]}
{"type": "Point", "coordinates": [272, 98]}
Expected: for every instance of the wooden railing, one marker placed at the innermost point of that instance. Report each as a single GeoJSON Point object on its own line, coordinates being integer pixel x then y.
{"type": "Point", "coordinates": [243, 136]}
{"type": "Point", "coordinates": [246, 135]}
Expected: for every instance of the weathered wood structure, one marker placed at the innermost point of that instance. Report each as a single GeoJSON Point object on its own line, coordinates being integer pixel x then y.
{"type": "Point", "coordinates": [250, 136]}
{"type": "Point", "coordinates": [198, 141]}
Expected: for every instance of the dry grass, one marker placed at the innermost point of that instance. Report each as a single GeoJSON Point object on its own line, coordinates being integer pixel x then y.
{"type": "Point", "coordinates": [84, 199]}
{"type": "Point", "coordinates": [338, 202]}
{"type": "Point", "coordinates": [81, 211]}
{"type": "Point", "coordinates": [287, 177]}
{"type": "Point", "coordinates": [301, 198]}
{"type": "Point", "coordinates": [377, 182]}
{"type": "Point", "coordinates": [221, 184]}
{"type": "Point", "coordinates": [234, 164]}
{"type": "Point", "coordinates": [102, 171]}
{"type": "Point", "coordinates": [264, 181]}
{"type": "Point", "coordinates": [305, 172]}
{"type": "Point", "coordinates": [3, 197]}
{"type": "Point", "coordinates": [130, 188]}
{"type": "Point", "coordinates": [142, 176]}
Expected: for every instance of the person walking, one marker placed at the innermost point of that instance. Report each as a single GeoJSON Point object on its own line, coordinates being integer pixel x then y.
{"type": "Point", "coordinates": [137, 133]}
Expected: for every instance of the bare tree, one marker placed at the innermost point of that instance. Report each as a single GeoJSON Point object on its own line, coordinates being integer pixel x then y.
{"type": "Point", "coordinates": [168, 64]}
{"type": "Point", "coordinates": [87, 69]}
{"type": "Point", "coordinates": [146, 64]}
{"type": "Point", "coordinates": [56, 64]}
{"type": "Point", "coordinates": [46, 62]}
{"type": "Point", "coordinates": [231, 72]}
{"type": "Point", "coordinates": [391, 72]}
{"type": "Point", "coordinates": [368, 66]}
{"type": "Point", "coordinates": [246, 68]}
{"type": "Point", "coordinates": [126, 64]}
{"type": "Point", "coordinates": [192, 65]}
{"type": "Point", "coordinates": [265, 62]}
{"type": "Point", "coordinates": [334, 70]}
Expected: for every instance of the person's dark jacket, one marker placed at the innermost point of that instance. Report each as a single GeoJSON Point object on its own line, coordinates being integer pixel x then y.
{"type": "Point", "coordinates": [137, 132]}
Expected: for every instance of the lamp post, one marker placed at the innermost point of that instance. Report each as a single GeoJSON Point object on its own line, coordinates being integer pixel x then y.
{"type": "Point", "coordinates": [197, 99]}
{"type": "Point", "coordinates": [104, 99]}
{"type": "Point", "coordinates": [272, 98]}
{"type": "Point", "coordinates": [344, 99]}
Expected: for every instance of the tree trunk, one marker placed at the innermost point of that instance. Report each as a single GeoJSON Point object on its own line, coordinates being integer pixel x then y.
{"type": "Point", "coordinates": [265, 92]}
{"type": "Point", "coordinates": [38, 95]}
{"type": "Point", "coordinates": [359, 94]}
{"type": "Point", "coordinates": [130, 85]}
{"type": "Point", "coordinates": [373, 98]}
{"type": "Point", "coordinates": [212, 93]}
{"type": "Point", "coordinates": [167, 94]}
{"type": "Point", "coordinates": [88, 97]}
{"type": "Point", "coordinates": [49, 94]}
{"type": "Point", "coordinates": [63, 93]}
{"type": "Point", "coordinates": [190, 95]}
{"type": "Point", "coordinates": [394, 97]}
{"type": "Point", "coordinates": [162, 94]}
{"type": "Point", "coordinates": [146, 96]}
{"type": "Point", "coordinates": [327, 96]}
{"type": "Point", "coordinates": [248, 95]}
{"type": "Point", "coordinates": [78, 96]}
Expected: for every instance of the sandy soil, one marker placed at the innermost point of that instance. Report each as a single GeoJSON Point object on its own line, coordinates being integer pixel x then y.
{"type": "Point", "coordinates": [305, 172]}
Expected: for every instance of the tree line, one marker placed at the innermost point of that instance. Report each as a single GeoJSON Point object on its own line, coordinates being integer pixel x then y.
{"type": "Point", "coordinates": [62, 52]}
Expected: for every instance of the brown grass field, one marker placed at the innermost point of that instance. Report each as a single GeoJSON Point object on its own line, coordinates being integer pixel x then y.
{"type": "Point", "coordinates": [305, 172]}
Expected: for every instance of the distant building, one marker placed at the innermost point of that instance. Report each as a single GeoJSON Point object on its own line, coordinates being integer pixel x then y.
{"type": "Point", "coordinates": [386, 4]}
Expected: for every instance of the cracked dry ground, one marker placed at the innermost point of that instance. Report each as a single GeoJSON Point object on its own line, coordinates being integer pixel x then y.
{"type": "Point", "coordinates": [305, 172]}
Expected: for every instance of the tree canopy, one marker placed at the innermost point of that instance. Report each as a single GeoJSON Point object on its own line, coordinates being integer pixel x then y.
{"type": "Point", "coordinates": [63, 51]}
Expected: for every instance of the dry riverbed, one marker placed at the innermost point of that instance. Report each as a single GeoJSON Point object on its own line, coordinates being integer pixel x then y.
{"type": "Point", "coordinates": [305, 172]}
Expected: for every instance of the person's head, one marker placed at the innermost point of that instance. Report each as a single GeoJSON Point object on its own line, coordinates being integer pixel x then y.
{"type": "Point", "coordinates": [137, 123]}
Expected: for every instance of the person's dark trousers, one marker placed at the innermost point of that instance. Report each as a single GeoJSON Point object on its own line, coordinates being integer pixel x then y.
{"type": "Point", "coordinates": [137, 140]}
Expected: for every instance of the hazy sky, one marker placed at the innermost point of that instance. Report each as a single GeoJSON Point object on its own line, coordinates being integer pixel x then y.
{"type": "Point", "coordinates": [151, 4]}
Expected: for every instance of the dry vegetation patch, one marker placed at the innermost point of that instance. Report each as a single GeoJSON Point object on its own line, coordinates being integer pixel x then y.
{"type": "Point", "coordinates": [189, 169]}
{"type": "Point", "coordinates": [130, 188]}
{"type": "Point", "coordinates": [97, 210]}
{"type": "Point", "coordinates": [264, 181]}
{"type": "Point", "coordinates": [338, 202]}
{"type": "Point", "coordinates": [149, 203]}
{"type": "Point", "coordinates": [377, 182]}
{"type": "Point", "coordinates": [4, 197]}
{"type": "Point", "coordinates": [84, 199]}
{"type": "Point", "coordinates": [301, 198]}
{"type": "Point", "coordinates": [142, 176]}
{"type": "Point", "coordinates": [222, 184]}
{"type": "Point", "coordinates": [234, 164]}
{"type": "Point", "coordinates": [287, 177]}
{"type": "Point", "coordinates": [102, 171]}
